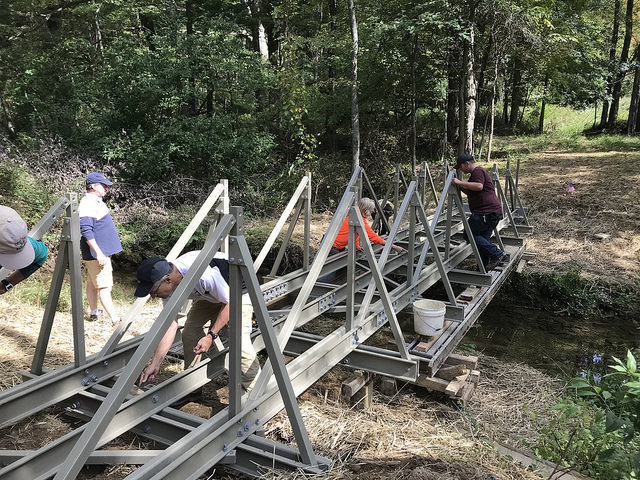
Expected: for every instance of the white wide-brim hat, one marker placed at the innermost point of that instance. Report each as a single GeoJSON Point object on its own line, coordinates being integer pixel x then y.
{"type": "Point", "coordinates": [16, 251]}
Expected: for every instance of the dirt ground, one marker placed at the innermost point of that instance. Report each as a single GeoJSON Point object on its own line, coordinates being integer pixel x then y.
{"type": "Point", "coordinates": [410, 435]}
{"type": "Point", "coordinates": [413, 434]}
{"type": "Point", "coordinates": [595, 227]}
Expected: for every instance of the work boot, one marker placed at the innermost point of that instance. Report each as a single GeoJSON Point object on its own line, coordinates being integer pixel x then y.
{"type": "Point", "coordinates": [495, 261]}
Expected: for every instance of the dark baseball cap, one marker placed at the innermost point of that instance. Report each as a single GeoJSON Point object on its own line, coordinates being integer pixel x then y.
{"type": "Point", "coordinates": [97, 177]}
{"type": "Point", "coordinates": [149, 272]}
{"type": "Point", "coordinates": [465, 157]}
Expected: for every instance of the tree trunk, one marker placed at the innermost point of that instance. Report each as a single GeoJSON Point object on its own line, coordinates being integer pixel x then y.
{"type": "Point", "coordinates": [622, 71]}
{"type": "Point", "coordinates": [516, 94]}
{"type": "Point", "coordinates": [493, 109]}
{"type": "Point", "coordinates": [505, 101]}
{"type": "Point", "coordinates": [414, 133]}
{"type": "Point", "coordinates": [604, 115]}
{"type": "Point", "coordinates": [453, 95]}
{"type": "Point", "coordinates": [470, 90]}
{"type": "Point", "coordinates": [481, 74]}
{"type": "Point", "coordinates": [635, 98]}
{"type": "Point", "coordinates": [355, 116]}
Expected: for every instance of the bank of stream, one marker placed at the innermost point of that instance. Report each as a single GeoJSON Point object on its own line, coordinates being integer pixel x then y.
{"type": "Point", "coordinates": [559, 345]}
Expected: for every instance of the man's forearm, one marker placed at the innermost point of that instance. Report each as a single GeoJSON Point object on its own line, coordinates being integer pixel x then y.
{"type": "Point", "coordinates": [222, 320]}
{"type": "Point", "coordinates": [94, 246]}
{"type": "Point", "coordinates": [165, 344]}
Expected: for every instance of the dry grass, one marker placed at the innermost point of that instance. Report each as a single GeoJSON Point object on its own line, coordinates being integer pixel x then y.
{"type": "Point", "coordinates": [605, 201]}
{"type": "Point", "coordinates": [413, 435]}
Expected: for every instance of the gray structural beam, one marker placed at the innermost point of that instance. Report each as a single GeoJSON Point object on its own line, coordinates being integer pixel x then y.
{"type": "Point", "coordinates": [378, 285]}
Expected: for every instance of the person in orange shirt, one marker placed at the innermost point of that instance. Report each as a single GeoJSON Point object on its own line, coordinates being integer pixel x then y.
{"type": "Point", "coordinates": [366, 206]}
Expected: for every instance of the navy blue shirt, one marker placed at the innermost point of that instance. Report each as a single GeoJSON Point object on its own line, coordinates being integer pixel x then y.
{"type": "Point", "coordinates": [96, 223]}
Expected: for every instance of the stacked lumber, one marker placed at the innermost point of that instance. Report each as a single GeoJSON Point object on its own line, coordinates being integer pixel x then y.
{"type": "Point", "coordinates": [457, 378]}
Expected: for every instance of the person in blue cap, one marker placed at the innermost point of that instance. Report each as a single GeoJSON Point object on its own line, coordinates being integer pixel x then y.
{"type": "Point", "coordinates": [100, 240]}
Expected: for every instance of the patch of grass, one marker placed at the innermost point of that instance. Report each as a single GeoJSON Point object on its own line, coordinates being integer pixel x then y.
{"type": "Point", "coordinates": [35, 291]}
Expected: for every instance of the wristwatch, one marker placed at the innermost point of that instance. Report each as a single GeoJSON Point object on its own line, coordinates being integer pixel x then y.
{"type": "Point", "coordinates": [213, 335]}
{"type": "Point", "coordinates": [7, 285]}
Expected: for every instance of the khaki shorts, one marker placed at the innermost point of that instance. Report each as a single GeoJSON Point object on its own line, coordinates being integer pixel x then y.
{"type": "Point", "coordinates": [100, 277]}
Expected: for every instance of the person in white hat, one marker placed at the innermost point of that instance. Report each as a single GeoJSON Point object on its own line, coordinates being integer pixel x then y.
{"type": "Point", "coordinates": [18, 251]}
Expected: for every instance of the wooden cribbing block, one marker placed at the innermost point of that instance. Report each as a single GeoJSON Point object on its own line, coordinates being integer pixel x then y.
{"type": "Point", "coordinates": [388, 385]}
{"type": "Point", "coordinates": [474, 377]}
{"type": "Point", "coordinates": [424, 346]}
{"type": "Point", "coordinates": [362, 398]}
{"type": "Point", "coordinates": [455, 385]}
{"type": "Point", "coordinates": [470, 362]}
{"type": "Point", "coordinates": [449, 372]}
{"type": "Point", "coordinates": [465, 394]}
{"type": "Point", "coordinates": [353, 384]}
{"type": "Point", "coordinates": [432, 383]}
{"type": "Point", "coordinates": [469, 293]}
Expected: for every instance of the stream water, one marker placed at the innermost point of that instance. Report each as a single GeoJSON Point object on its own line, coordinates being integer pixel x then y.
{"type": "Point", "coordinates": [564, 346]}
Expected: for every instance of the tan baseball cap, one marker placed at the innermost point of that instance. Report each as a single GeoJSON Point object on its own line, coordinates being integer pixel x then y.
{"type": "Point", "coordinates": [16, 250]}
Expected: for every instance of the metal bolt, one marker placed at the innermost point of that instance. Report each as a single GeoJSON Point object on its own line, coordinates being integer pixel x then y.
{"type": "Point", "coordinates": [232, 259]}
{"type": "Point", "coordinates": [105, 363]}
{"type": "Point", "coordinates": [247, 427]}
{"type": "Point", "coordinates": [66, 220]}
{"type": "Point", "coordinates": [232, 240]}
{"type": "Point", "coordinates": [85, 381]}
{"type": "Point", "coordinates": [347, 361]}
{"type": "Point", "coordinates": [155, 399]}
{"type": "Point", "coordinates": [240, 432]}
{"type": "Point", "coordinates": [75, 405]}
{"type": "Point", "coordinates": [93, 378]}
{"type": "Point", "coordinates": [241, 420]}
{"type": "Point", "coordinates": [147, 428]}
{"type": "Point", "coordinates": [86, 371]}
{"type": "Point", "coordinates": [257, 421]}
{"type": "Point", "coordinates": [240, 260]}
{"type": "Point", "coordinates": [225, 448]}
{"type": "Point", "coordinates": [256, 409]}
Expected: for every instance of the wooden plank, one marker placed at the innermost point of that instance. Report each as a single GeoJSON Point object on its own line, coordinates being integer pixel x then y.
{"type": "Point", "coordinates": [449, 372]}
{"type": "Point", "coordinates": [469, 293]}
{"type": "Point", "coordinates": [432, 383]}
{"type": "Point", "coordinates": [468, 361]}
{"type": "Point", "coordinates": [455, 385]}
{"type": "Point", "coordinates": [353, 384]}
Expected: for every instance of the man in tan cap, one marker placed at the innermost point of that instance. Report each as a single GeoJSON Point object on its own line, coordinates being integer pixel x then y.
{"type": "Point", "coordinates": [18, 251]}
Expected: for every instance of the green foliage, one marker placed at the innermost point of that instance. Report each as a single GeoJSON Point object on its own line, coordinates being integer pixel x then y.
{"type": "Point", "coordinates": [597, 429]}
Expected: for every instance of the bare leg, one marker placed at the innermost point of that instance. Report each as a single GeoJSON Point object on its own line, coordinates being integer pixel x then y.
{"type": "Point", "coordinates": [92, 295]}
{"type": "Point", "coordinates": [107, 303]}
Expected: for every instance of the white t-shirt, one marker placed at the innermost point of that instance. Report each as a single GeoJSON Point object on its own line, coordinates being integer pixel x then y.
{"type": "Point", "coordinates": [211, 287]}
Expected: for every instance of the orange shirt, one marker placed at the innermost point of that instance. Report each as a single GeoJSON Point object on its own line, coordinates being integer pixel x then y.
{"type": "Point", "coordinates": [342, 240]}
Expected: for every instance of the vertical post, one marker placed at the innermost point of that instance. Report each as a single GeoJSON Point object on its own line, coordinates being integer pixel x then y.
{"type": "Point", "coordinates": [235, 315]}
{"type": "Point", "coordinates": [447, 232]}
{"type": "Point", "coordinates": [423, 182]}
{"type": "Point", "coordinates": [412, 239]}
{"type": "Point", "coordinates": [351, 267]}
{"type": "Point", "coordinates": [396, 193]}
{"type": "Point", "coordinates": [307, 225]}
{"type": "Point", "coordinates": [50, 308]}
{"type": "Point", "coordinates": [225, 210]}
{"type": "Point", "coordinates": [72, 221]}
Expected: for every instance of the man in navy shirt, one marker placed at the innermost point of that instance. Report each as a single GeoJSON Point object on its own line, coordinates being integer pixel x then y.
{"type": "Point", "coordinates": [485, 207]}
{"type": "Point", "coordinates": [18, 251]}
{"type": "Point", "coordinates": [100, 241]}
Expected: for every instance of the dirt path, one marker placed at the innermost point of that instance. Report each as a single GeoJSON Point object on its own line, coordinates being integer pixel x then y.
{"type": "Point", "coordinates": [568, 224]}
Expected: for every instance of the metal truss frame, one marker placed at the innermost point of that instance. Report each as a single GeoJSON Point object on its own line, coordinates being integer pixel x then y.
{"type": "Point", "coordinates": [378, 285]}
